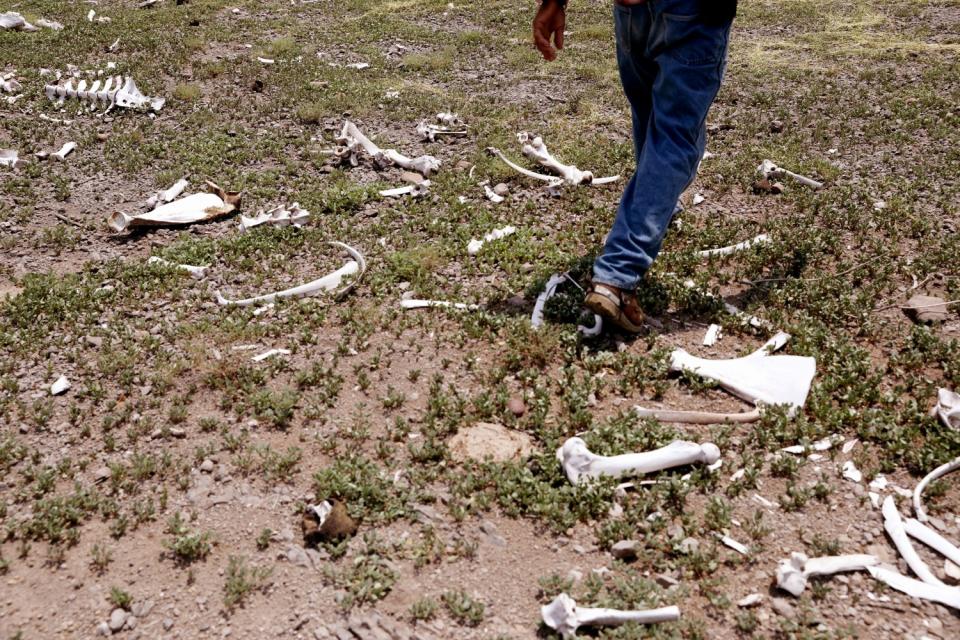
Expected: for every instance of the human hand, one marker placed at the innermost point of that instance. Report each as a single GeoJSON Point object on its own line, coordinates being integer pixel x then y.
{"type": "Point", "coordinates": [549, 25]}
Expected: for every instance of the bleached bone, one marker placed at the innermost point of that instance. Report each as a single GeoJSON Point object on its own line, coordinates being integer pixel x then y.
{"type": "Point", "coordinates": [942, 470]}
{"type": "Point", "coordinates": [943, 594]}
{"type": "Point", "coordinates": [474, 246]}
{"type": "Point", "coordinates": [793, 572]}
{"type": "Point", "coordinates": [450, 119]}
{"type": "Point", "coordinates": [737, 546]}
{"type": "Point", "coordinates": [263, 60]}
{"type": "Point", "coordinates": [734, 248]}
{"type": "Point", "coordinates": [492, 195]}
{"type": "Point", "coordinates": [431, 131]}
{"type": "Point", "coordinates": [698, 417]}
{"type": "Point", "coordinates": [850, 472]}
{"type": "Point", "coordinates": [714, 333]}
{"type": "Point", "coordinates": [414, 303]}
{"type": "Point", "coordinates": [565, 617]}
{"type": "Point", "coordinates": [536, 318]}
{"type": "Point", "coordinates": [60, 155]}
{"type": "Point", "coordinates": [279, 216]}
{"type": "Point", "coordinates": [15, 21]}
{"type": "Point", "coordinates": [351, 136]}
{"type": "Point", "coordinates": [893, 525]}
{"type": "Point", "coordinates": [199, 207]}
{"type": "Point", "coordinates": [49, 24]}
{"type": "Point", "coordinates": [580, 463]}
{"type": "Point", "coordinates": [948, 408]}
{"type": "Point", "coordinates": [269, 354]}
{"type": "Point", "coordinates": [197, 272]}
{"type": "Point", "coordinates": [535, 149]}
{"type": "Point", "coordinates": [820, 445]}
{"type": "Point", "coordinates": [167, 195]}
{"type": "Point", "coordinates": [328, 283]}
{"type": "Point", "coordinates": [919, 531]}
{"type": "Point", "coordinates": [414, 190]}
{"type": "Point", "coordinates": [9, 158]}
{"type": "Point", "coordinates": [60, 386]}
{"type": "Point", "coordinates": [116, 92]}
{"type": "Point", "coordinates": [551, 180]}
{"type": "Point", "coordinates": [770, 170]}
{"type": "Point", "coordinates": [9, 84]}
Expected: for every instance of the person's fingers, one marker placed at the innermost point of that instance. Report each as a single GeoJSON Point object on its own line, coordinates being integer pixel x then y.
{"type": "Point", "coordinates": [543, 43]}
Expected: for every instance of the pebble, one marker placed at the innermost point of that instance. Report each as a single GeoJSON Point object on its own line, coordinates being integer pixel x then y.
{"type": "Point", "coordinates": [103, 629]}
{"type": "Point", "coordinates": [501, 189]}
{"type": "Point", "coordinates": [689, 545]}
{"type": "Point", "coordinates": [782, 607]}
{"type": "Point", "coordinates": [167, 624]}
{"type": "Point", "coordinates": [624, 550]}
{"type": "Point", "coordinates": [516, 406]}
{"type": "Point", "coordinates": [207, 466]}
{"type": "Point", "coordinates": [117, 619]}
{"type": "Point", "coordinates": [666, 581]}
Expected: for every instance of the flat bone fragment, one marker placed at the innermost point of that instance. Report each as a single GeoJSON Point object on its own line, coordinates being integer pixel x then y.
{"type": "Point", "coordinates": [328, 283]}
{"type": "Point", "coordinates": [9, 84]}
{"type": "Point", "coordinates": [734, 248]}
{"type": "Point", "coordinates": [893, 525]}
{"type": "Point", "coordinates": [919, 531]}
{"type": "Point", "coordinates": [15, 21]}
{"type": "Point", "coordinates": [9, 157]}
{"type": "Point", "coordinates": [714, 333]}
{"type": "Point", "coordinates": [579, 463]}
{"type": "Point", "coordinates": [739, 547]}
{"type": "Point", "coordinates": [565, 617]}
{"type": "Point", "coordinates": [820, 445]}
{"type": "Point", "coordinates": [698, 417]}
{"type": "Point", "coordinates": [167, 195]}
{"type": "Point", "coordinates": [64, 151]}
{"type": "Point", "coordinates": [414, 303]}
{"type": "Point", "coordinates": [197, 272]}
{"type": "Point", "coordinates": [269, 354]}
{"type": "Point", "coordinates": [351, 136]}
{"type": "Point", "coordinates": [850, 472]}
{"type": "Point", "coordinates": [949, 596]}
{"type": "Point", "coordinates": [942, 470]}
{"type": "Point", "coordinates": [431, 131]}
{"type": "Point", "coordinates": [535, 149]}
{"type": "Point", "coordinates": [793, 572]}
{"type": "Point", "coordinates": [60, 386]}
{"type": "Point", "coordinates": [948, 408]}
{"type": "Point", "coordinates": [279, 216]}
{"type": "Point", "coordinates": [199, 207]}
{"type": "Point", "coordinates": [474, 246]}
{"type": "Point", "coordinates": [770, 170]}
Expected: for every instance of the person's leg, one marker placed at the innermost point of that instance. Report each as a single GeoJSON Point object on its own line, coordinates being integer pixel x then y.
{"type": "Point", "coordinates": [690, 55]}
{"type": "Point", "coordinates": [637, 72]}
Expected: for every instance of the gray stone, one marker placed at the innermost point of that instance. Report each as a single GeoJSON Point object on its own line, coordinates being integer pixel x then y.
{"type": "Point", "coordinates": [296, 555]}
{"type": "Point", "coordinates": [624, 550]}
{"type": "Point", "coordinates": [782, 608]}
{"type": "Point", "coordinates": [207, 466]}
{"type": "Point", "coordinates": [117, 619]}
{"type": "Point", "coordinates": [666, 581]}
{"type": "Point", "coordinates": [167, 624]}
{"type": "Point", "coordinates": [103, 629]}
{"type": "Point", "coordinates": [689, 545]}
{"type": "Point", "coordinates": [131, 623]}
{"type": "Point", "coordinates": [501, 189]}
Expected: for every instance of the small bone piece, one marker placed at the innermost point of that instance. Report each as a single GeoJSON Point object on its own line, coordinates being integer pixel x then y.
{"type": "Point", "coordinates": [414, 303]}
{"type": "Point", "coordinates": [196, 272]}
{"type": "Point", "coordinates": [60, 386]}
{"type": "Point", "coordinates": [751, 600]}
{"type": "Point", "coordinates": [198, 207]}
{"type": "Point", "coordinates": [697, 417]}
{"type": "Point", "coordinates": [474, 246]}
{"type": "Point", "coordinates": [115, 92]}
{"type": "Point", "coordinates": [942, 470]}
{"type": "Point", "coordinates": [893, 525]}
{"type": "Point", "coordinates": [714, 333]}
{"type": "Point", "coordinates": [491, 194]}
{"type": "Point", "coordinates": [919, 531]}
{"type": "Point", "coordinates": [820, 445]}
{"type": "Point", "coordinates": [9, 84]}
{"type": "Point", "coordinates": [565, 617]}
{"type": "Point", "coordinates": [351, 136]}
{"type": "Point", "coordinates": [792, 573]}
{"type": "Point", "coordinates": [450, 119]}
{"type": "Point", "coordinates": [49, 24]}
{"type": "Point", "coordinates": [941, 593]}
{"type": "Point", "coordinates": [269, 354]}
{"type": "Point", "coordinates": [431, 131]}
{"type": "Point", "coordinates": [328, 283]}
{"type": "Point", "coordinates": [770, 170]}
{"type": "Point", "coordinates": [739, 547]}
{"type": "Point", "coordinates": [734, 248]}
{"type": "Point", "coordinates": [64, 151]}
{"type": "Point", "coordinates": [167, 195]}
{"type": "Point", "coordinates": [850, 472]}
{"type": "Point", "coordinates": [414, 190]}
{"type": "Point", "coordinates": [15, 21]}
{"type": "Point", "coordinates": [948, 408]}
{"type": "Point", "coordinates": [535, 149]}
{"type": "Point", "coordinates": [580, 463]}
{"type": "Point", "coordinates": [553, 181]}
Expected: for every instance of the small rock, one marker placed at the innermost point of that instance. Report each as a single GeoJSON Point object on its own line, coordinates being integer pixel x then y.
{"type": "Point", "coordinates": [131, 623]}
{"type": "Point", "coordinates": [624, 550]}
{"type": "Point", "coordinates": [751, 600]}
{"type": "Point", "coordinates": [167, 624]}
{"type": "Point", "coordinates": [501, 189]}
{"type": "Point", "coordinates": [296, 555]}
{"type": "Point", "coordinates": [574, 575]}
{"type": "Point", "coordinates": [488, 440]}
{"type": "Point", "coordinates": [463, 165]}
{"type": "Point", "coordinates": [776, 126]}
{"type": "Point", "coordinates": [103, 629]}
{"type": "Point", "coordinates": [516, 406]}
{"type": "Point", "coordinates": [101, 474]}
{"type": "Point", "coordinates": [177, 432]}
{"type": "Point", "coordinates": [207, 466]}
{"type": "Point", "coordinates": [926, 309]}
{"type": "Point", "coordinates": [689, 545]}
{"type": "Point", "coordinates": [782, 608]}
{"type": "Point", "coordinates": [666, 581]}
{"type": "Point", "coordinates": [117, 619]}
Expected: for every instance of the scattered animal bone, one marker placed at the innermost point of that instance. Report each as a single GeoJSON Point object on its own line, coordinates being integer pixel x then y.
{"type": "Point", "coordinates": [536, 318]}
{"type": "Point", "coordinates": [893, 525]}
{"type": "Point", "coordinates": [431, 131]}
{"type": "Point", "coordinates": [350, 137]}
{"type": "Point", "coordinates": [919, 531]}
{"type": "Point", "coordinates": [279, 216]}
{"type": "Point", "coordinates": [553, 182]}
{"type": "Point", "coordinates": [474, 246]}
{"type": "Point", "coordinates": [770, 170]}
{"type": "Point", "coordinates": [197, 272]}
{"type": "Point", "coordinates": [450, 119]}
{"type": "Point", "coordinates": [850, 472]}
{"type": "Point", "coordinates": [580, 463]}
{"type": "Point", "coordinates": [262, 60]}
{"type": "Point", "coordinates": [15, 21]}
{"type": "Point", "coordinates": [415, 190]}
{"type": "Point", "coordinates": [49, 24]}
{"type": "Point", "coordinates": [167, 195]}
{"type": "Point", "coordinates": [565, 617]}
{"type": "Point", "coordinates": [328, 283]}
{"type": "Point", "coordinates": [423, 304]}
{"type": "Point", "coordinates": [9, 158]}
{"type": "Point", "coordinates": [792, 573]}
{"type": "Point", "coordinates": [820, 445]}
{"type": "Point", "coordinates": [942, 470]}
{"type": "Point", "coordinates": [9, 84]}
{"type": "Point", "coordinates": [116, 91]}
{"type": "Point", "coordinates": [199, 207]}
{"type": "Point", "coordinates": [739, 547]}
{"type": "Point", "coordinates": [714, 333]}
{"type": "Point", "coordinates": [60, 155]}
{"type": "Point", "coordinates": [491, 194]}
{"type": "Point", "coordinates": [269, 354]}
{"type": "Point", "coordinates": [60, 386]}
{"type": "Point", "coordinates": [535, 149]}
{"type": "Point", "coordinates": [697, 417]}
{"type": "Point", "coordinates": [734, 248]}
{"type": "Point", "coordinates": [751, 600]}
{"type": "Point", "coordinates": [941, 593]}
{"type": "Point", "coordinates": [698, 198]}
{"type": "Point", "coordinates": [948, 408]}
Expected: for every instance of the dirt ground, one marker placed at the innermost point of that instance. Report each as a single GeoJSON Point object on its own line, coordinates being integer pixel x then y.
{"type": "Point", "coordinates": [163, 493]}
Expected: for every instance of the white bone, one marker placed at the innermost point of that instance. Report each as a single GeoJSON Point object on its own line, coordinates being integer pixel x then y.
{"type": "Point", "coordinates": [941, 593]}
{"type": "Point", "coordinates": [193, 208]}
{"type": "Point", "coordinates": [15, 21]}
{"type": "Point", "coordinates": [431, 131]}
{"type": "Point", "coordinates": [919, 531]}
{"type": "Point", "coordinates": [820, 445]}
{"type": "Point", "coordinates": [64, 151]}
{"type": "Point", "coordinates": [10, 84]}
{"type": "Point", "coordinates": [595, 330]}
{"type": "Point", "coordinates": [698, 198]}
{"type": "Point", "coordinates": [580, 463]}
{"type": "Point", "coordinates": [269, 354]}
{"type": "Point", "coordinates": [328, 283]}
{"type": "Point", "coordinates": [552, 180]}
{"type": "Point", "coordinates": [942, 470]}
{"type": "Point", "coordinates": [167, 195]}
{"type": "Point", "coordinates": [492, 195]}
{"type": "Point", "coordinates": [197, 272]}
{"type": "Point", "coordinates": [116, 91]}
{"type": "Point", "coordinates": [414, 303]}
{"type": "Point", "coordinates": [265, 60]}
{"type": "Point", "coordinates": [49, 24]}
{"type": "Point", "coordinates": [536, 318]}
{"type": "Point", "coordinates": [948, 408]}
{"type": "Point", "coordinates": [564, 616]}
{"type": "Point", "coordinates": [697, 417]}
{"type": "Point", "coordinates": [449, 119]}
{"type": "Point", "coordinates": [474, 246]}
{"type": "Point", "coordinates": [734, 248]}
{"type": "Point", "coordinates": [351, 136]}
{"type": "Point", "coordinates": [770, 170]}
{"type": "Point", "coordinates": [415, 190]}
{"type": "Point", "coordinates": [714, 333]}
{"type": "Point", "coordinates": [792, 573]}
{"type": "Point", "coordinates": [9, 158]}
{"type": "Point", "coordinates": [90, 15]}
{"type": "Point", "coordinates": [60, 386]}
{"type": "Point", "coordinates": [893, 525]}
{"type": "Point", "coordinates": [739, 547]}
{"type": "Point", "coordinates": [359, 66]}
{"type": "Point", "coordinates": [278, 216]}
{"type": "Point", "coordinates": [535, 149]}
{"type": "Point", "coordinates": [850, 472]}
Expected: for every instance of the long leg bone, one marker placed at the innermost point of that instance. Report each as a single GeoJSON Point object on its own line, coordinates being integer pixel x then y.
{"type": "Point", "coordinates": [535, 149]}
{"type": "Point", "coordinates": [198, 207]}
{"type": "Point", "coordinates": [564, 616]}
{"type": "Point", "coordinates": [167, 195]}
{"type": "Point", "coordinates": [948, 408]}
{"type": "Point", "coordinates": [424, 304]}
{"type": "Point", "coordinates": [698, 417]}
{"type": "Point", "coordinates": [792, 573]}
{"type": "Point", "coordinates": [580, 463]}
{"type": "Point", "coordinates": [414, 190]}
{"type": "Point", "coordinates": [919, 531]}
{"type": "Point", "coordinates": [328, 283]}
{"type": "Point", "coordinates": [351, 136]}
{"type": "Point", "coordinates": [942, 470]}
{"type": "Point", "coordinates": [893, 525]}
{"type": "Point", "coordinates": [734, 248]}
{"type": "Point", "coordinates": [943, 594]}
{"type": "Point", "coordinates": [196, 272]}
{"type": "Point", "coordinates": [770, 170]}
{"type": "Point", "coordinates": [431, 131]}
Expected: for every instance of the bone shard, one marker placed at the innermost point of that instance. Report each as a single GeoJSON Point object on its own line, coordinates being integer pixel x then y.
{"type": "Point", "coordinates": [734, 248]}
{"type": "Point", "coordinates": [329, 283]}
{"type": "Point", "coordinates": [197, 272]}
{"type": "Point", "coordinates": [351, 137]}
{"type": "Point", "coordinates": [565, 617]}
{"type": "Point", "coordinates": [64, 151]}
{"type": "Point", "coordinates": [535, 149]}
{"type": "Point", "coordinates": [492, 195]}
{"type": "Point", "coordinates": [948, 408]}
{"type": "Point", "coordinates": [116, 92]}
{"type": "Point", "coordinates": [199, 207]}
{"type": "Point", "coordinates": [474, 246]}
{"type": "Point", "coordinates": [413, 190]}
{"type": "Point", "coordinates": [579, 463]}
{"type": "Point", "coordinates": [940, 471]}
{"type": "Point", "coordinates": [431, 131]}
{"type": "Point", "coordinates": [9, 84]}
{"type": "Point", "coordinates": [59, 386]}
{"type": "Point", "coordinates": [552, 180]}
{"type": "Point", "coordinates": [167, 195]}
{"type": "Point", "coordinates": [9, 158]}
{"type": "Point", "coordinates": [713, 334]}
{"type": "Point", "coordinates": [793, 572]}
{"type": "Point", "coordinates": [768, 169]}
{"type": "Point", "coordinates": [894, 527]}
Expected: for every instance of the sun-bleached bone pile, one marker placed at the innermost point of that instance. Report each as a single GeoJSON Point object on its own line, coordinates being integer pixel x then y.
{"type": "Point", "coordinates": [351, 140]}
{"type": "Point", "coordinates": [450, 125]}
{"type": "Point", "coordinates": [474, 246]}
{"type": "Point", "coordinates": [115, 91]}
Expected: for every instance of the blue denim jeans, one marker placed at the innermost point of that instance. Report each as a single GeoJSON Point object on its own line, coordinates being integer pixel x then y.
{"type": "Point", "coordinates": [671, 64]}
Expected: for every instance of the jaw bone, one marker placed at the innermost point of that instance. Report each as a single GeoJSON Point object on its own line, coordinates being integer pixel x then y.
{"type": "Point", "coordinates": [328, 283]}
{"type": "Point", "coordinates": [770, 170]}
{"type": "Point", "coordinates": [116, 91]}
{"type": "Point", "coordinates": [564, 616]}
{"type": "Point", "coordinates": [198, 207]}
{"type": "Point", "coordinates": [580, 463]}
{"type": "Point", "coordinates": [792, 573]}
{"type": "Point", "coordinates": [535, 149]}
{"type": "Point", "coordinates": [351, 137]}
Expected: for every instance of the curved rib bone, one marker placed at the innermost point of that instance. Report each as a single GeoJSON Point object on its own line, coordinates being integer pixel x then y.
{"type": "Point", "coordinates": [919, 531]}
{"type": "Point", "coordinates": [530, 174]}
{"type": "Point", "coordinates": [579, 462]}
{"type": "Point", "coordinates": [792, 573]}
{"type": "Point", "coordinates": [893, 525]}
{"type": "Point", "coordinates": [564, 616]}
{"type": "Point", "coordinates": [351, 136]}
{"type": "Point", "coordinates": [198, 207]}
{"type": "Point", "coordinates": [943, 594]}
{"type": "Point", "coordinates": [734, 248]}
{"type": "Point", "coordinates": [770, 170]}
{"type": "Point", "coordinates": [942, 470]}
{"type": "Point", "coordinates": [327, 283]}
{"type": "Point", "coordinates": [535, 149]}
